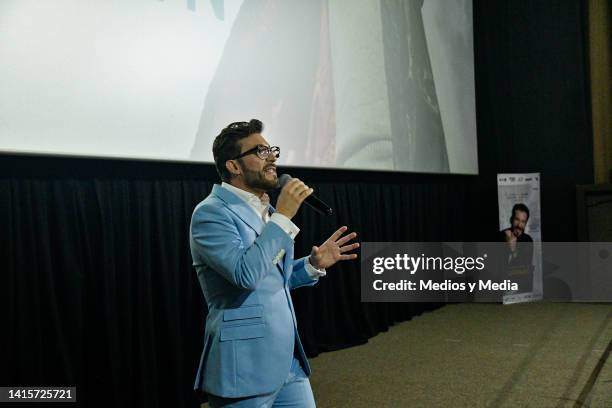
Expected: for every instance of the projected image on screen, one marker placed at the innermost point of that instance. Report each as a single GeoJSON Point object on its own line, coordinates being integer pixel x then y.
{"type": "Point", "coordinates": [359, 84]}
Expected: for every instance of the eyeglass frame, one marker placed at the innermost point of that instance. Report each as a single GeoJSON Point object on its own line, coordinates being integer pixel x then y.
{"type": "Point", "coordinates": [256, 150]}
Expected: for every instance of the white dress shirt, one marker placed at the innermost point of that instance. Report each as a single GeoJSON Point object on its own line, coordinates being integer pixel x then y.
{"type": "Point", "coordinates": [262, 211]}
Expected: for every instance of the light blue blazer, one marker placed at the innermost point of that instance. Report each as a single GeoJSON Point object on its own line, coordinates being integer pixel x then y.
{"type": "Point", "coordinates": [246, 269]}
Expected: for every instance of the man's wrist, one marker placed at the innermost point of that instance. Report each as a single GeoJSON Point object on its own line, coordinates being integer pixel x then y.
{"type": "Point", "coordinates": [314, 265]}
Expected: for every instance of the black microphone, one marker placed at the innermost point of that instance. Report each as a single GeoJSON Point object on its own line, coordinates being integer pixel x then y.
{"type": "Point", "coordinates": [312, 201]}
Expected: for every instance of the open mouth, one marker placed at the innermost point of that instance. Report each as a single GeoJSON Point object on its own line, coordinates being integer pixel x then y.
{"type": "Point", "coordinates": [270, 170]}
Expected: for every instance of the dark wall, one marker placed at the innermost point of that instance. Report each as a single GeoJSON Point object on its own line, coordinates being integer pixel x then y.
{"type": "Point", "coordinates": [532, 94]}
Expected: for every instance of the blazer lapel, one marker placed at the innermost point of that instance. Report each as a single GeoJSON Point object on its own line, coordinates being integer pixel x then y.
{"type": "Point", "coordinates": [239, 207]}
{"type": "Point", "coordinates": [246, 214]}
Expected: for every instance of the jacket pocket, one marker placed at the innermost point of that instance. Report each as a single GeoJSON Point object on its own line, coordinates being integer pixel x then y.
{"type": "Point", "coordinates": [245, 312]}
{"type": "Point", "coordinates": [248, 331]}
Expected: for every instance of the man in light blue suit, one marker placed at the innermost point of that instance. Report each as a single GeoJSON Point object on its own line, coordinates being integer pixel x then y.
{"type": "Point", "coordinates": [242, 250]}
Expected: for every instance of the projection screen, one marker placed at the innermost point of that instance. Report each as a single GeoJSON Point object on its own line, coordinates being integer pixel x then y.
{"type": "Point", "coordinates": [359, 84]}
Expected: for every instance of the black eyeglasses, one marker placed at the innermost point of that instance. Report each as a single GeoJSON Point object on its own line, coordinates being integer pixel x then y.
{"type": "Point", "coordinates": [262, 151]}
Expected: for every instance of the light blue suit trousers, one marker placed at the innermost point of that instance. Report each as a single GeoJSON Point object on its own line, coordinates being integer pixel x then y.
{"type": "Point", "coordinates": [294, 393]}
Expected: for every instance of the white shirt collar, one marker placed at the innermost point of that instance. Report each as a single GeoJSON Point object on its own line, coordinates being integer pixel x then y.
{"type": "Point", "coordinates": [251, 199]}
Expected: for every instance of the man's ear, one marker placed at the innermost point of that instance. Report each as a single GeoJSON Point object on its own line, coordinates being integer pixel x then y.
{"type": "Point", "coordinates": [233, 167]}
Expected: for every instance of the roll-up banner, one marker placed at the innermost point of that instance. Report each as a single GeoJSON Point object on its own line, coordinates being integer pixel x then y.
{"type": "Point", "coordinates": [518, 197]}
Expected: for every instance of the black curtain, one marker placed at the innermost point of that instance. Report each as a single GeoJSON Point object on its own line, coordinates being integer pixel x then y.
{"type": "Point", "coordinates": [98, 289]}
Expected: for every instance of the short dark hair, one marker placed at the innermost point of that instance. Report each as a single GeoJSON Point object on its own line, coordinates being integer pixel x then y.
{"type": "Point", "coordinates": [520, 207]}
{"type": "Point", "coordinates": [226, 147]}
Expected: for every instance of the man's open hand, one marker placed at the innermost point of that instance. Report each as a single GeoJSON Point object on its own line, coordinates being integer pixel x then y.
{"type": "Point", "coordinates": [334, 249]}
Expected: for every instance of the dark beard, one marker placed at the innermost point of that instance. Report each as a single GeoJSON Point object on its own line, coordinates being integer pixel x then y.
{"type": "Point", "coordinates": [257, 180]}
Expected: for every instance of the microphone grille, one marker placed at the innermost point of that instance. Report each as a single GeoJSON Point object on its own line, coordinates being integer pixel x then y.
{"type": "Point", "coordinates": [283, 179]}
